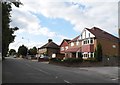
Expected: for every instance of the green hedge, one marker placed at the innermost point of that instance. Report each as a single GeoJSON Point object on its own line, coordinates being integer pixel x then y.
{"type": "Point", "coordinates": [68, 60]}
{"type": "Point", "coordinates": [55, 59]}
{"type": "Point", "coordinates": [73, 60]}
{"type": "Point", "coordinates": [90, 60]}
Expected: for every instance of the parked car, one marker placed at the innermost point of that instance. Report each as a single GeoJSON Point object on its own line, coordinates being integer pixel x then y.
{"type": "Point", "coordinates": [43, 58]}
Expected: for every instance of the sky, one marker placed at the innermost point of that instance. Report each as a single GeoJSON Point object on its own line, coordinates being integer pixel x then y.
{"type": "Point", "coordinates": [40, 20]}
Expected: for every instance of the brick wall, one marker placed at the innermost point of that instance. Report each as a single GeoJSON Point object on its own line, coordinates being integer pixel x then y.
{"type": "Point", "coordinates": [107, 47]}
{"type": "Point", "coordinates": [50, 51]}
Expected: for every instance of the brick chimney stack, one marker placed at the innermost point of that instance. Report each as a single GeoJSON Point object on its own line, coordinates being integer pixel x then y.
{"type": "Point", "coordinates": [49, 40]}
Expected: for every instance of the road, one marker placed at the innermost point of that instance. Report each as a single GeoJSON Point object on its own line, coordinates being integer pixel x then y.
{"type": "Point", "coordinates": [27, 71]}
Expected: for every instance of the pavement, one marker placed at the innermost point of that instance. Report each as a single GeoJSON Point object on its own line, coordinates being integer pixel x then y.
{"type": "Point", "coordinates": [0, 72]}
{"type": "Point", "coordinates": [26, 71]}
{"type": "Point", "coordinates": [111, 72]}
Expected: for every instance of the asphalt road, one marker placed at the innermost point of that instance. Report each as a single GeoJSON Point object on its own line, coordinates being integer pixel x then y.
{"type": "Point", "coordinates": [27, 71]}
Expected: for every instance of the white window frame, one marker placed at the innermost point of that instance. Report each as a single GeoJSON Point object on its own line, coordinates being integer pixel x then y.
{"type": "Point", "coordinates": [77, 43]}
{"type": "Point", "coordinates": [66, 47]}
{"type": "Point", "coordinates": [72, 44]}
{"type": "Point", "coordinates": [62, 48]}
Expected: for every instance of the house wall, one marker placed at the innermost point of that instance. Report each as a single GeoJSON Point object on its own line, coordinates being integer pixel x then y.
{"type": "Point", "coordinates": [109, 48]}
{"type": "Point", "coordinates": [51, 51]}
{"type": "Point", "coordinates": [63, 47]}
{"type": "Point", "coordinates": [75, 44]}
{"type": "Point", "coordinates": [86, 34]}
{"type": "Point", "coordinates": [42, 50]}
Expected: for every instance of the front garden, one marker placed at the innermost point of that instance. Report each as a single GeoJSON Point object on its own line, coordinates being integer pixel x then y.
{"type": "Point", "coordinates": [75, 62]}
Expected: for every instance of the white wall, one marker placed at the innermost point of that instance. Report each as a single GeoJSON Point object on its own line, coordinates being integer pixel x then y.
{"type": "Point", "coordinates": [86, 34]}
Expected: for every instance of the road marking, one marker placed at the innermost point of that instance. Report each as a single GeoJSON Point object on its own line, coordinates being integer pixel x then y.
{"type": "Point", "coordinates": [42, 71]}
{"type": "Point", "coordinates": [115, 78]}
{"type": "Point", "coordinates": [56, 77]}
{"type": "Point", "coordinates": [38, 69]}
{"type": "Point", "coordinates": [66, 81]}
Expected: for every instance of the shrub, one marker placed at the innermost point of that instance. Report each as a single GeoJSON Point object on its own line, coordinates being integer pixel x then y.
{"type": "Point", "coordinates": [73, 60]}
{"type": "Point", "coordinates": [90, 60]}
{"type": "Point", "coordinates": [55, 59]}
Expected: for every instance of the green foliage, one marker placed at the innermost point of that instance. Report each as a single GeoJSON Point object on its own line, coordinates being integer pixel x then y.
{"type": "Point", "coordinates": [55, 59]}
{"type": "Point", "coordinates": [98, 53]}
{"type": "Point", "coordinates": [73, 60]}
{"type": "Point", "coordinates": [90, 60]}
{"type": "Point", "coordinates": [12, 52]}
{"type": "Point", "coordinates": [22, 50]}
{"type": "Point", "coordinates": [32, 51]}
{"type": "Point", "coordinates": [7, 32]}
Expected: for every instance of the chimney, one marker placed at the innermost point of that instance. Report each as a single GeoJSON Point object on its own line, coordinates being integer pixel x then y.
{"type": "Point", "coordinates": [49, 40]}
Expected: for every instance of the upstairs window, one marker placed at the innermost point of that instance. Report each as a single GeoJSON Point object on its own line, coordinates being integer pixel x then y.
{"type": "Point", "coordinates": [77, 43]}
{"type": "Point", "coordinates": [72, 44]}
{"type": "Point", "coordinates": [66, 47]}
{"type": "Point", "coordinates": [62, 48]}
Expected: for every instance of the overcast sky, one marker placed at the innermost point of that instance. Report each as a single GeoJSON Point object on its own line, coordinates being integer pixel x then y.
{"type": "Point", "coordinates": [40, 20]}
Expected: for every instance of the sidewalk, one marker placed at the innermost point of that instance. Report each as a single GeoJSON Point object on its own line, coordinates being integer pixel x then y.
{"type": "Point", "coordinates": [111, 72]}
{"type": "Point", "coordinates": [0, 72]}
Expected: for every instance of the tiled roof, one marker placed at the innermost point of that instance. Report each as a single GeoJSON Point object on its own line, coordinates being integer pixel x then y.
{"type": "Point", "coordinates": [67, 40]}
{"type": "Point", "coordinates": [50, 45]}
{"type": "Point", "coordinates": [102, 34]}
{"type": "Point", "coordinates": [75, 39]}
{"type": "Point", "coordinates": [73, 49]}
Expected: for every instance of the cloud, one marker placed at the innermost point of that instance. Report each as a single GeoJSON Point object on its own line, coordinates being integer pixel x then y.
{"type": "Point", "coordinates": [27, 22]}
{"type": "Point", "coordinates": [80, 13]}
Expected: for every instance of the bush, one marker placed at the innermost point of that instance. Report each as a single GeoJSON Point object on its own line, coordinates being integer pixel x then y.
{"type": "Point", "coordinates": [55, 59]}
{"type": "Point", "coordinates": [91, 60]}
{"type": "Point", "coordinates": [73, 60]}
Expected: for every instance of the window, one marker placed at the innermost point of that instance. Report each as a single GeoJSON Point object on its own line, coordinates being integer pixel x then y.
{"type": "Point", "coordinates": [62, 48]}
{"type": "Point", "coordinates": [84, 42]}
{"type": "Point", "coordinates": [114, 46]}
{"type": "Point", "coordinates": [72, 44]}
{"type": "Point", "coordinates": [91, 55]}
{"type": "Point", "coordinates": [66, 47]}
{"type": "Point", "coordinates": [77, 43]}
{"type": "Point", "coordinates": [89, 34]}
{"type": "Point", "coordinates": [91, 41]}
{"type": "Point", "coordinates": [88, 41]}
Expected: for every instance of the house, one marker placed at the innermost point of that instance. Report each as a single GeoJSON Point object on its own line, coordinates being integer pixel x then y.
{"type": "Point", "coordinates": [86, 43]}
{"type": "Point", "coordinates": [91, 37]}
{"type": "Point", "coordinates": [74, 48]}
{"type": "Point", "coordinates": [48, 49]}
{"type": "Point", "coordinates": [64, 46]}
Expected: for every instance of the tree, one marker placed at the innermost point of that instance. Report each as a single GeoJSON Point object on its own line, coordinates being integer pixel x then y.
{"type": "Point", "coordinates": [98, 52]}
{"type": "Point", "coordinates": [12, 52]}
{"type": "Point", "coordinates": [22, 50]}
{"type": "Point", "coordinates": [32, 51]}
{"type": "Point", "coordinates": [7, 32]}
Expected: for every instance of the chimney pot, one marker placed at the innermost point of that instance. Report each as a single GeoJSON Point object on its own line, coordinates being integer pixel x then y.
{"type": "Point", "coordinates": [50, 40]}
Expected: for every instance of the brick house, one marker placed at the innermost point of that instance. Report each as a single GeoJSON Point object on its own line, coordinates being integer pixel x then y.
{"type": "Point", "coordinates": [49, 49]}
{"type": "Point", "coordinates": [91, 37]}
{"type": "Point", "coordinates": [87, 41]}
{"type": "Point", "coordinates": [74, 48]}
{"type": "Point", "coordinates": [64, 46]}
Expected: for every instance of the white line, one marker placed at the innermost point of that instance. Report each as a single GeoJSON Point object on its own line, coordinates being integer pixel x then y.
{"type": "Point", "coordinates": [115, 79]}
{"type": "Point", "coordinates": [56, 77]}
{"type": "Point", "coordinates": [39, 69]}
{"type": "Point", "coordinates": [66, 81]}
